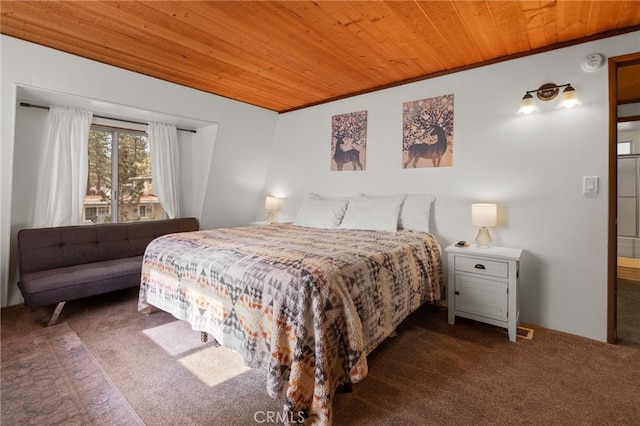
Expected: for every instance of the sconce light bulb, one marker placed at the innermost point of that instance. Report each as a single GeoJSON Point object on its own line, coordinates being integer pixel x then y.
{"type": "Point", "coordinates": [569, 98]}
{"type": "Point", "coordinates": [528, 105]}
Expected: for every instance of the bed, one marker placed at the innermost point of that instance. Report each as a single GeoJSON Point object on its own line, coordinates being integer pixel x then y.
{"type": "Point", "coordinates": [305, 304]}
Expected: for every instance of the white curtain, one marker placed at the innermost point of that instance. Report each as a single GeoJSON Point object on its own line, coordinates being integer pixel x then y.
{"type": "Point", "coordinates": [163, 147]}
{"type": "Point", "coordinates": [63, 168]}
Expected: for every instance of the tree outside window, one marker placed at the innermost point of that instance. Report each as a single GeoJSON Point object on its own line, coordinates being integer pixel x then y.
{"type": "Point", "coordinates": [120, 185]}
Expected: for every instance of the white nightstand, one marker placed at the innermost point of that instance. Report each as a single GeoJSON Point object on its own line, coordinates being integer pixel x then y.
{"type": "Point", "coordinates": [483, 285]}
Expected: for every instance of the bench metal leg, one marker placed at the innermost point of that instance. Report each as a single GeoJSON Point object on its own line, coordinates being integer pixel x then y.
{"type": "Point", "coordinates": [56, 313]}
{"type": "Point", "coordinates": [204, 338]}
{"type": "Point", "coordinates": [149, 309]}
{"type": "Point", "coordinates": [345, 387]}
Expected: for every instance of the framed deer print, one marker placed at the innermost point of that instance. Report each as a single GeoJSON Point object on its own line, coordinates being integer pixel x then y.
{"type": "Point", "coordinates": [349, 141]}
{"type": "Point", "coordinates": [427, 132]}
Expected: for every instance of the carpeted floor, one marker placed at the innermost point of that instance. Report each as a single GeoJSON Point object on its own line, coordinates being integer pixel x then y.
{"type": "Point", "coordinates": [431, 373]}
{"type": "Point", "coordinates": [49, 377]}
{"type": "Point", "coordinates": [628, 291]}
{"type": "Point", "coordinates": [628, 329]}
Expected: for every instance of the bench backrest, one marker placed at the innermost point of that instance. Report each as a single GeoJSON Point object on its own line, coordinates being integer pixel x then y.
{"type": "Point", "coordinates": [42, 249]}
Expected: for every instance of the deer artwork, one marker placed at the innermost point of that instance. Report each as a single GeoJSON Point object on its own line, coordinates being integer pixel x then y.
{"type": "Point", "coordinates": [342, 157]}
{"type": "Point", "coordinates": [434, 151]}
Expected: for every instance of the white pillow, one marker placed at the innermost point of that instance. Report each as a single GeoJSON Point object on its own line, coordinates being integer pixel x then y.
{"type": "Point", "coordinates": [415, 212]}
{"type": "Point", "coordinates": [330, 197]}
{"type": "Point", "coordinates": [320, 212]}
{"type": "Point", "coordinates": [373, 213]}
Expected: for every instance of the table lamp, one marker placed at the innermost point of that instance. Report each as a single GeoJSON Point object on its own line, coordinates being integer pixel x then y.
{"type": "Point", "coordinates": [484, 216]}
{"type": "Point", "coordinates": [272, 205]}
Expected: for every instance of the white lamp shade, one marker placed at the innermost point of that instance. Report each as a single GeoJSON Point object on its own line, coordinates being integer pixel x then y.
{"type": "Point", "coordinates": [484, 214]}
{"type": "Point", "coordinates": [569, 99]}
{"type": "Point", "coordinates": [528, 106]}
{"type": "Point", "coordinates": [272, 203]}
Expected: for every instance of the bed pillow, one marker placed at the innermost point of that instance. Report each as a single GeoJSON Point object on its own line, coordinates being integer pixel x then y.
{"type": "Point", "coordinates": [415, 212]}
{"type": "Point", "coordinates": [331, 197]}
{"type": "Point", "coordinates": [321, 212]}
{"type": "Point", "coordinates": [373, 213]}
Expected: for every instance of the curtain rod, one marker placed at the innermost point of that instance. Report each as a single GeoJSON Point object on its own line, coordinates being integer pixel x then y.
{"type": "Point", "coordinates": [28, 105]}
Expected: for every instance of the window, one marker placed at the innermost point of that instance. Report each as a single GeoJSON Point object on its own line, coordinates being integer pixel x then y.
{"type": "Point", "coordinates": [90, 214]}
{"type": "Point", "coordinates": [145, 211]}
{"type": "Point", "coordinates": [120, 186]}
{"type": "Point", "coordinates": [98, 214]}
{"type": "Point", "coordinates": [624, 148]}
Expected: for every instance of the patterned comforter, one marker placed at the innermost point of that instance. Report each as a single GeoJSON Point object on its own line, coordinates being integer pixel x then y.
{"type": "Point", "coordinates": [305, 304]}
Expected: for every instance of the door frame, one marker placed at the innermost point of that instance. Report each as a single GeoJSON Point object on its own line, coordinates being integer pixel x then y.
{"type": "Point", "coordinates": [612, 228]}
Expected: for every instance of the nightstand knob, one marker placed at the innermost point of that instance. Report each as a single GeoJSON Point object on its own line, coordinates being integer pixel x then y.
{"type": "Point", "coordinates": [457, 293]}
{"type": "Point", "coordinates": [479, 266]}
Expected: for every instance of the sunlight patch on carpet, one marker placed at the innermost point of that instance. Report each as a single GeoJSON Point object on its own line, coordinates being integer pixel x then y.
{"type": "Point", "coordinates": [176, 337]}
{"type": "Point", "coordinates": [211, 364]}
{"type": "Point", "coordinates": [214, 365]}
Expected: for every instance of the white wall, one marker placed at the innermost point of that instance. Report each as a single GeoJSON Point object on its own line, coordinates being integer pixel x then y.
{"type": "Point", "coordinates": [532, 166]}
{"type": "Point", "coordinates": [632, 137]}
{"type": "Point", "coordinates": [629, 131]}
{"type": "Point", "coordinates": [224, 163]}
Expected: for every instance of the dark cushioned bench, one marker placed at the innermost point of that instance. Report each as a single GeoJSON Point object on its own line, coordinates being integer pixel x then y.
{"type": "Point", "coordinates": [72, 262]}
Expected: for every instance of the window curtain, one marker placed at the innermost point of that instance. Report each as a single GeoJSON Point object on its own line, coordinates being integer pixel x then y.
{"type": "Point", "coordinates": [63, 168]}
{"type": "Point", "coordinates": [163, 147]}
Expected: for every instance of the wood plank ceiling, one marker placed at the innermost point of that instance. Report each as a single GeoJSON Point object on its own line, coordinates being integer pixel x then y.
{"type": "Point", "coordinates": [285, 55]}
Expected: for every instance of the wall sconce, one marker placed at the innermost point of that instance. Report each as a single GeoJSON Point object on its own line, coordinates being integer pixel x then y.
{"type": "Point", "coordinates": [484, 215]}
{"type": "Point", "coordinates": [272, 205]}
{"type": "Point", "coordinates": [547, 92]}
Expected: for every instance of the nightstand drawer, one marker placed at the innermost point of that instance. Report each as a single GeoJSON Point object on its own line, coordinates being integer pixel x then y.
{"type": "Point", "coordinates": [482, 266]}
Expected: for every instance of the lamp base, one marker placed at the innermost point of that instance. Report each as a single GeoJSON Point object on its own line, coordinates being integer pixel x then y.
{"type": "Point", "coordinates": [271, 216]}
{"type": "Point", "coordinates": [483, 239]}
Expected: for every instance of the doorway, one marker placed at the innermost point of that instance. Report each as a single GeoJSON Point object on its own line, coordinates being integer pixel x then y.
{"type": "Point", "coordinates": [624, 200]}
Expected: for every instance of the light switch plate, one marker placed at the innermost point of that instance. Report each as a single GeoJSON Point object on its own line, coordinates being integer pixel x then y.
{"type": "Point", "coordinates": [590, 185]}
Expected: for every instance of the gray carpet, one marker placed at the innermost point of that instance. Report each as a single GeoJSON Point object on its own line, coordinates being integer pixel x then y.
{"type": "Point", "coordinates": [49, 377]}
{"type": "Point", "coordinates": [628, 311]}
{"type": "Point", "coordinates": [430, 374]}
{"type": "Point", "coordinates": [204, 384]}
